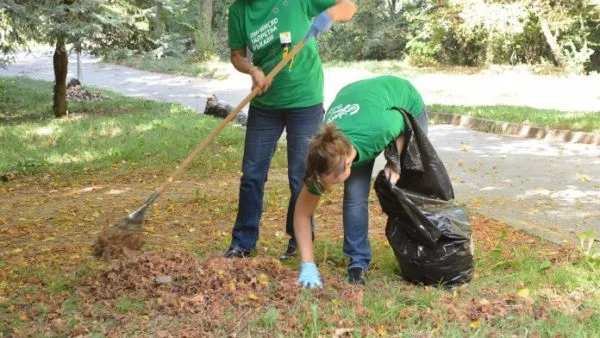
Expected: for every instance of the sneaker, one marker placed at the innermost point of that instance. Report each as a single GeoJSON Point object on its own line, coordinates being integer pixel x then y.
{"type": "Point", "coordinates": [356, 276]}
{"type": "Point", "coordinates": [236, 252]}
{"type": "Point", "coordinates": [290, 252]}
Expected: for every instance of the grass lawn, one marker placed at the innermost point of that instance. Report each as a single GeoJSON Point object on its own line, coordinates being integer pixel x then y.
{"type": "Point", "coordinates": [555, 119]}
{"type": "Point", "coordinates": [173, 65]}
{"type": "Point", "coordinates": [65, 180]}
{"type": "Point", "coordinates": [132, 134]}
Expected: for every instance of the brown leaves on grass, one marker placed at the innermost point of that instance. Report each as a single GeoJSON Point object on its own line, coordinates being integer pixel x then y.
{"type": "Point", "coordinates": [116, 244]}
{"type": "Point", "coordinates": [183, 296]}
{"type": "Point", "coordinates": [179, 283]}
{"type": "Point", "coordinates": [508, 304]}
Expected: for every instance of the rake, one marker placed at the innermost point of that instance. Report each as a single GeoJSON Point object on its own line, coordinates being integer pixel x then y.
{"type": "Point", "coordinates": [127, 232]}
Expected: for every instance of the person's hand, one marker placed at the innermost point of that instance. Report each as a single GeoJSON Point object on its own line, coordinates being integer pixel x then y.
{"type": "Point", "coordinates": [259, 80]}
{"type": "Point", "coordinates": [309, 276]}
{"type": "Point", "coordinates": [321, 25]}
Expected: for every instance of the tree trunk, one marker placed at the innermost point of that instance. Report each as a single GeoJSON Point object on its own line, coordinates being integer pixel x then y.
{"type": "Point", "coordinates": [489, 47]}
{"type": "Point", "coordinates": [392, 7]}
{"type": "Point", "coordinates": [156, 23]}
{"type": "Point", "coordinates": [205, 43]}
{"type": "Point", "coordinates": [61, 62]}
{"type": "Point", "coordinates": [206, 15]}
{"type": "Point", "coordinates": [557, 53]}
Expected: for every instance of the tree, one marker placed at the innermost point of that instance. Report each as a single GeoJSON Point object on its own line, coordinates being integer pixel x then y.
{"type": "Point", "coordinates": [91, 25]}
{"type": "Point", "coordinates": [17, 25]}
{"type": "Point", "coordinates": [205, 29]}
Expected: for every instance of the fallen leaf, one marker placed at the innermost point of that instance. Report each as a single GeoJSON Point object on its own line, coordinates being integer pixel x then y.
{"type": "Point", "coordinates": [523, 293]}
{"type": "Point", "coordinates": [583, 178]}
{"type": "Point", "coordinates": [484, 302]}
{"type": "Point", "coordinates": [475, 324]}
{"type": "Point", "coordinates": [163, 334]}
{"type": "Point", "coordinates": [343, 332]}
{"type": "Point", "coordinates": [252, 296]}
{"type": "Point", "coordinates": [263, 279]}
{"type": "Point", "coordinates": [381, 331]}
{"type": "Point", "coordinates": [197, 298]}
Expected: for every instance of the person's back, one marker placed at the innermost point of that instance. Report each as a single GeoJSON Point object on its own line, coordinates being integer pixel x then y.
{"type": "Point", "coordinates": [364, 119]}
{"type": "Point", "coordinates": [384, 92]}
{"type": "Point", "coordinates": [367, 112]}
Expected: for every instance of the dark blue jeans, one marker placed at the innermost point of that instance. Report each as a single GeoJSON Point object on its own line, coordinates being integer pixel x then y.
{"type": "Point", "coordinates": [263, 130]}
{"type": "Point", "coordinates": [356, 210]}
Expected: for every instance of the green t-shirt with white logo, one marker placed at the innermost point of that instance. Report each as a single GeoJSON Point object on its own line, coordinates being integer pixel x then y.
{"type": "Point", "coordinates": [270, 29]}
{"type": "Point", "coordinates": [364, 112]}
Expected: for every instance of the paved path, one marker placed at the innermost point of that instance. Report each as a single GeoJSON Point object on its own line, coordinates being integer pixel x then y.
{"type": "Point", "coordinates": [546, 188]}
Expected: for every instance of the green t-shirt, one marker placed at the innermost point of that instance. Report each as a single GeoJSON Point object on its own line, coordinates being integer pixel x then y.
{"type": "Point", "coordinates": [364, 112]}
{"type": "Point", "coordinates": [270, 27]}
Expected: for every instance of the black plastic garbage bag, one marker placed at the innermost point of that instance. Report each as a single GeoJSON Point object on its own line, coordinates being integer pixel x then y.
{"type": "Point", "coordinates": [430, 237]}
{"type": "Point", "coordinates": [429, 234]}
{"type": "Point", "coordinates": [421, 168]}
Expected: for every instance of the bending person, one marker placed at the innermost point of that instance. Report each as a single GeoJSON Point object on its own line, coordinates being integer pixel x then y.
{"type": "Point", "coordinates": [362, 120]}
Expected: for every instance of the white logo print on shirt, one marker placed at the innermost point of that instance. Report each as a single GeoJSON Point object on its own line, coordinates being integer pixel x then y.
{"type": "Point", "coordinates": [340, 111]}
{"type": "Point", "coordinates": [263, 35]}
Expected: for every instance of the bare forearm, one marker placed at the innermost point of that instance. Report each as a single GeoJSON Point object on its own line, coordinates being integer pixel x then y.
{"type": "Point", "coordinates": [305, 207]}
{"type": "Point", "coordinates": [343, 10]}
{"type": "Point", "coordinates": [240, 62]}
{"type": "Point", "coordinates": [303, 234]}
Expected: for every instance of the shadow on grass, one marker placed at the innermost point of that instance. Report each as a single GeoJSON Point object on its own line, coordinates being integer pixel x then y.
{"type": "Point", "coordinates": [101, 135]}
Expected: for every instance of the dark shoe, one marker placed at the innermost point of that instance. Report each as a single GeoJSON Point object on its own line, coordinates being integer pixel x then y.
{"type": "Point", "coordinates": [290, 252]}
{"type": "Point", "coordinates": [356, 276]}
{"type": "Point", "coordinates": [236, 252]}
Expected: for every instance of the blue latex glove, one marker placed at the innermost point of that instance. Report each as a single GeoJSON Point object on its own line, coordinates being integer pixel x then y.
{"type": "Point", "coordinates": [321, 25]}
{"type": "Point", "coordinates": [309, 276]}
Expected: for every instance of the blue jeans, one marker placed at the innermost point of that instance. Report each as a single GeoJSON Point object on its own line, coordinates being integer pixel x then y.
{"type": "Point", "coordinates": [263, 130]}
{"type": "Point", "coordinates": [356, 210]}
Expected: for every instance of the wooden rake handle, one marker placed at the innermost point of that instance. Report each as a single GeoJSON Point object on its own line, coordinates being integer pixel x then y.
{"type": "Point", "coordinates": [186, 162]}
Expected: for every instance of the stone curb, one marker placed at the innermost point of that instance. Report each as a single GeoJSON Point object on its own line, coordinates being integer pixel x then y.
{"type": "Point", "coordinates": [515, 129]}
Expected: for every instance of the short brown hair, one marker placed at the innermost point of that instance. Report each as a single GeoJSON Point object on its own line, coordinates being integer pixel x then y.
{"type": "Point", "coordinates": [327, 154]}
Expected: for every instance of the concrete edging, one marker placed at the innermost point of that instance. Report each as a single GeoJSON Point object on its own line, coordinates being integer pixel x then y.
{"type": "Point", "coordinates": [515, 129]}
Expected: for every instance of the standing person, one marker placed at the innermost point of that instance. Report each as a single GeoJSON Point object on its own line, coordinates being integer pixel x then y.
{"type": "Point", "coordinates": [361, 122]}
{"type": "Point", "coordinates": [294, 99]}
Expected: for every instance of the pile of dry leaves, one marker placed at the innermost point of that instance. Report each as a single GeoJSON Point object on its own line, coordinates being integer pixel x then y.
{"type": "Point", "coordinates": [76, 92]}
{"type": "Point", "coordinates": [179, 283]}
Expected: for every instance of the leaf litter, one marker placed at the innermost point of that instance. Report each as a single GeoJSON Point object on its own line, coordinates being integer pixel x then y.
{"type": "Point", "coordinates": [179, 283]}
{"type": "Point", "coordinates": [184, 296]}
